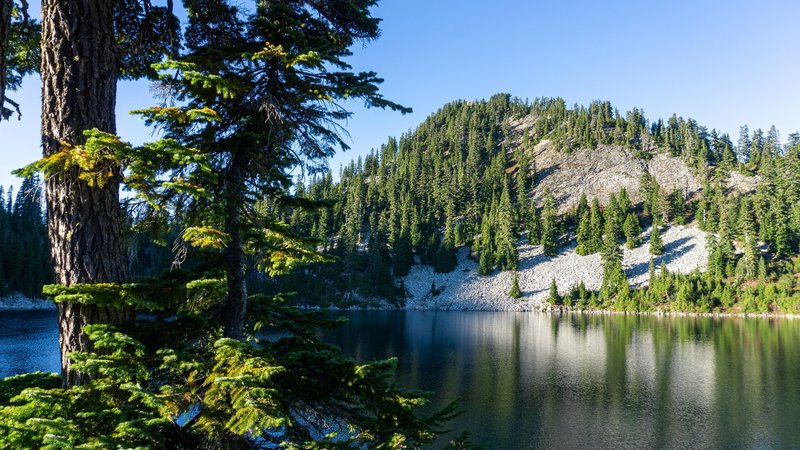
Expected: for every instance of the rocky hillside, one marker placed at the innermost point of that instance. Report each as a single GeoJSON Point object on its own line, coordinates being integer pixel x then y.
{"type": "Point", "coordinates": [463, 289]}
{"type": "Point", "coordinates": [607, 169]}
{"type": "Point", "coordinates": [479, 175]}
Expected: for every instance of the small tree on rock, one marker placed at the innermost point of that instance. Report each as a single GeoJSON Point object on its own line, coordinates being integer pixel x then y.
{"type": "Point", "coordinates": [656, 244]}
{"type": "Point", "coordinates": [515, 291]}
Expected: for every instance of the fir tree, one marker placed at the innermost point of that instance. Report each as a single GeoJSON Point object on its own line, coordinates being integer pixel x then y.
{"type": "Point", "coordinates": [584, 236]}
{"type": "Point", "coordinates": [748, 264]}
{"type": "Point", "coordinates": [656, 244]}
{"type": "Point", "coordinates": [553, 296]}
{"type": "Point", "coordinates": [597, 226]}
{"type": "Point", "coordinates": [612, 219]}
{"type": "Point", "coordinates": [505, 245]}
{"type": "Point", "coordinates": [583, 206]}
{"type": "Point", "coordinates": [534, 225]}
{"type": "Point", "coordinates": [613, 276]}
{"type": "Point", "coordinates": [632, 230]}
{"type": "Point", "coordinates": [515, 291]}
{"type": "Point", "coordinates": [549, 226]}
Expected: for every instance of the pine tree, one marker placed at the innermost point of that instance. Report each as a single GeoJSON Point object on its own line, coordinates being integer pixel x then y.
{"type": "Point", "coordinates": [597, 226]}
{"type": "Point", "coordinates": [612, 219]}
{"type": "Point", "coordinates": [584, 234]}
{"type": "Point", "coordinates": [534, 225]}
{"type": "Point", "coordinates": [553, 297]}
{"type": "Point", "coordinates": [515, 291]}
{"type": "Point", "coordinates": [633, 231]}
{"type": "Point", "coordinates": [656, 244]}
{"type": "Point", "coordinates": [613, 275]}
{"type": "Point", "coordinates": [486, 261]}
{"type": "Point", "coordinates": [743, 145]}
{"type": "Point", "coordinates": [749, 262]}
{"type": "Point", "coordinates": [762, 269]}
{"type": "Point", "coordinates": [624, 201]}
{"type": "Point", "coordinates": [505, 245]}
{"type": "Point", "coordinates": [549, 226]}
{"type": "Point", "coordinates": [583, 206]}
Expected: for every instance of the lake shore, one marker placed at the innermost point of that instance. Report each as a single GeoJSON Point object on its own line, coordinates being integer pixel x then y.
{"type": "Point", "coordinates": [19, 302]}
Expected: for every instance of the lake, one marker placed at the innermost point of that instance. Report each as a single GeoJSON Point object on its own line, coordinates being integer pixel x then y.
{"type": "Point", "coordinates": [530, 380]}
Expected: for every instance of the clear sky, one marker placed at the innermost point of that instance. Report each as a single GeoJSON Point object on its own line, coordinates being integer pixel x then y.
{"type": "Point", "coordinates": [724, 63]}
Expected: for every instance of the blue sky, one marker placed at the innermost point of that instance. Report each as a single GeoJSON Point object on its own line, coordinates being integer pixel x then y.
{"type": "Point", "coordinates": [724, 63]}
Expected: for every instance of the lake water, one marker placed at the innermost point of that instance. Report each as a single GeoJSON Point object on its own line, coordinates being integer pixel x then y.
{"type": "Point", "coordinates": [530, 380]}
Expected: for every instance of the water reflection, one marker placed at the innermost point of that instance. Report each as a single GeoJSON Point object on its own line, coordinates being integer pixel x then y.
{"type": "Point", "coordinates": [537, 380]}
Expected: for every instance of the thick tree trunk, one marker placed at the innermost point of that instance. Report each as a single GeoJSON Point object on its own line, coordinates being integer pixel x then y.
{"type": "Point", "coordinates": [235, 308]}
{"type": "Point", "coordinates": [79, 82]}
{"type": "Point", "coordinates": [5, 27]}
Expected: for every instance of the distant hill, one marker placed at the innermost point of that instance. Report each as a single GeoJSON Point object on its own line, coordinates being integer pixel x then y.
{"type": "Point", "coordinates": [482, 174]}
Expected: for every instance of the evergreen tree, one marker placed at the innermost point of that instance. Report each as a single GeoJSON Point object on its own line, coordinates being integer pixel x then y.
{"type": "Point", "coordinates": [624, 202]}
{"type": "Point", "coordinates": [486, 262]}
{"type": "Point", "coordinates": [743, 145]}
{"type": "Point", "coordinates": [633, 231]}
{"type": "Point", "coordinates": [549, 226]}
{"type": "Point", "coordinates": [402, 256]}
{"type": "Point", "coordinates": [656, 244]}
{"type": "Point", "coordinates": [748, 264]}
{"type": "Point", "coordinates": [585, 244]}
{"type": "Point", "coordinates": [597, 226]}
{"type": "Point", "coordinates": [553, 296]}
{"type": "Point", "coordinates": [583, 206]}
{"type": "Point", "coordinates": [515, 292]}
{"type": "Point", "coordinates": [613, 220]}
{"type": "Point", "coordinates": [534, 225]}
{"type": "Point", "coordinates": [505, 245]}
{"type": "Point", "coordinates": [614, 277]}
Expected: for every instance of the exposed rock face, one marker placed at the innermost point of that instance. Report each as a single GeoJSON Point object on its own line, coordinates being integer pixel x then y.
{"type": "Point", "coordinates": [607, 169]}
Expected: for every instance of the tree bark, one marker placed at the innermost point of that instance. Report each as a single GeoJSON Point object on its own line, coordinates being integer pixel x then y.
{"type": "Point", "coordinates": [79, 82]}
{"type": "Point", "coordinates": [5, 27]}
{"type": "Point", "coordinates": [235, 308]}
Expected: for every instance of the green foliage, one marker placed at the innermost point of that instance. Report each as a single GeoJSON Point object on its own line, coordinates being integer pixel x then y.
{"type": "Point", "coordinates": [615, 282]}
{"type": "Point", "coordinates": [633, 231]}
{"type": "Point", "coordinates": [515, 291]}
{"type": "Point", "coordinates": [584, 234]}
{"type": "Point", "coordinates": [553, 296]}
{"type": "Point", "coordinates": [549, 238]}
{"type": "Point", "coordinates": [656, 243]}
{"type": "Point", "coordinates": [95, 161]}
{"type": "Point", "coordinates": [596, 228]}
{"type": "Point", "coordinates": [145, 391]}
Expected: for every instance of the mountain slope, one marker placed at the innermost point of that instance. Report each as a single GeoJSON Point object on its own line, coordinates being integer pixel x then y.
{"type": "Point", "coordinates": [480, 175]}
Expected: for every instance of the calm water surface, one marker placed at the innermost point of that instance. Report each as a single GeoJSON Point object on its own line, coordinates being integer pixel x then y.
{"type": "Point", "coordinates": [535, 380]}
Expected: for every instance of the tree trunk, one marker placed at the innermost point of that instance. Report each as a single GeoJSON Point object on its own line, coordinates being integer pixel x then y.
{"type": "Point", "coordinates": [5, 27]}
{"type": "Point", "coordinates": [79, 82]}
{"type": "Point", "coordinates": [235, 307]}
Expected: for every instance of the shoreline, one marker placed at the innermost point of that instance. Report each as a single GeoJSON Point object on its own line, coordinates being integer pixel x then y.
{"type": "Point", "coordinates": [19, 302]}
{"type": "Point", "coordinates": [551, 309]}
